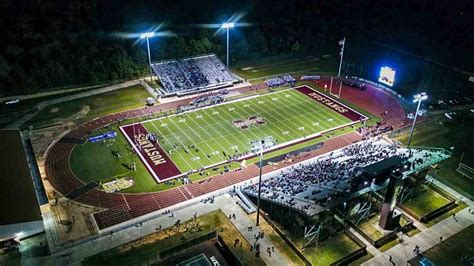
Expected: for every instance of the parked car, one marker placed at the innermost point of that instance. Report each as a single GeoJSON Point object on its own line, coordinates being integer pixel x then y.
{"type": "Point", "coordinates": [451, 115]}
{"type": "Point", "coordinates": [12, 101]}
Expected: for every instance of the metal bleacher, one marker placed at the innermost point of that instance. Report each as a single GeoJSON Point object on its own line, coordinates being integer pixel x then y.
{"type": "Point", "coordinates": [194, 74]}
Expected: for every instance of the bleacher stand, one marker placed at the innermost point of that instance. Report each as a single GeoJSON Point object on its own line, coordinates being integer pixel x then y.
{"type": "Point", "coordinates": [312, 186]}
{"type": "Point", "coordinates": [194, 74]}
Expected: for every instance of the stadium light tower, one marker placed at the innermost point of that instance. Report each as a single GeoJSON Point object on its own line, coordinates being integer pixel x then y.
{"type": "Point", "coordinates": [417, 98]}
{"type": "Point", "coordinates": [262, 146]}
{"type": "Point", "coordinates": [342, 43]}
{"type": "Point", "coordinates": [227, 26]}
{"type": "Point", "coordinates": [147, 36]}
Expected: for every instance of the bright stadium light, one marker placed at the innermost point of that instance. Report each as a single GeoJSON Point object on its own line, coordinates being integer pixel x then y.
{"type": "Point", "coordinates": [227, 26]}
{"type": "Point", "coordinates": [417, 98]}
{"type": "Point", "coordinates": [420, 97]}
{"type": "Point", "coordinates": [147, 36]}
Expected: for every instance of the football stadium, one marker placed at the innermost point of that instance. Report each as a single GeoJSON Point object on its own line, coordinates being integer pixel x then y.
{"type": "Point", "coordinates": [213, 154]}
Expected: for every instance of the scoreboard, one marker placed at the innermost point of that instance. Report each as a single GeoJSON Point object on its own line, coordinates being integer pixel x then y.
{"type": "Point", "coordinates": [387, 76]}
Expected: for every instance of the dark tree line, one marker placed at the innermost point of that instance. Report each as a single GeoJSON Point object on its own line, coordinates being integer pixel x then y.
{"type": "Point", "coordinates": [51, 43]}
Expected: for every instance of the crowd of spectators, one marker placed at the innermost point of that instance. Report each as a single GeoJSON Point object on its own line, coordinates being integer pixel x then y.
{"type": "Point", "coordinates": [335, 167]}
{"type": "Point", "coordinates": [281, 81]}
{"type": "Point", "coordinates": [368, 132]}
{"type": "Point", "coordinates": [192, 73]}
{"type": "Point", "coordinates": [329, 176]}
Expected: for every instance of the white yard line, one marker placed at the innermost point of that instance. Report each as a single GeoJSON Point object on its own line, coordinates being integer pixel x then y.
{"type": "Point", "coordinates": [326, 110]}
{"type": "Point", "coordinates": [295, 117]}
{"type": "Point", "coordinates": [212, 149]}
{"type": "Point", "coordinates": [190, 140]}
{"type": "Point", "coordinates": [291, 117]}
{"type": "Point", "coordinates": [322, 114]}
{"type": "Point", "coordinates": [271, 127]}
{"type": "Point", "coordinates": [226, 135]}
{"type": "Point", "coordinates": [170, 155]}
{"type": "Point", "coordinates": [256, 127]}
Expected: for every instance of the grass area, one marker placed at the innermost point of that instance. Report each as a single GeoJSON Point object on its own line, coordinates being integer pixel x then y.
{"type": "Point", "coordinates": [389, 245]}
{"type": "Point", "coordinates": [452, 250]}
{"type": "Point", "coordinates": [87, 108]}
{"type": "Point", "coordinates": [438, 131]}
{"type": "Point", "coordinates": [149, 246]}
{"type": "Point", "coordinates": [12, 258]}
{"type": "Point", "coordinates": [425, 200]}
{"type": "Point", "coordinates": [448, 214]}
{"type": "Point", "coordinates": [330, 250]}
{"type": "Point", "coordinates": [370, 227]}
{"type": "Point", "coordinates": [413, 232]}
{"type": "Point", "coordinates": [277, 241]}
{"type": "Point", "coordinates": [11, 113]}
{"type": "Point", "coordinates": [264, 67]}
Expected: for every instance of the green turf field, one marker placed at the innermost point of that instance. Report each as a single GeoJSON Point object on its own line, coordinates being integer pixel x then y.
{"type": "Point", "coordinates": [288, 115]}
{"type": "Point", "coordinates": [425, 201]}
{"type": "Point", "coordinates": [331, 250]}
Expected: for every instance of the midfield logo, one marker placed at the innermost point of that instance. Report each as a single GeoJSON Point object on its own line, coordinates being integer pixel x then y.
{"type": "Point", "coordinates": [251, 121]}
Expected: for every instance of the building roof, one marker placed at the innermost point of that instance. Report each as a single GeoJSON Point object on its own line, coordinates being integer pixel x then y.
{"type": "Point", "coordinates": [382, 167]}
{"type": "Point", "coordinates": [19, 203]}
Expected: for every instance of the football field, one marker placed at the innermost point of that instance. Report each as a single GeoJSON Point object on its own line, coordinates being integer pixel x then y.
{"type": "Point", "coordinates": [221, 133]}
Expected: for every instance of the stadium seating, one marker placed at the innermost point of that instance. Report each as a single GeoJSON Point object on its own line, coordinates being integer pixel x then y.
{"type": "Point", "coordinates": [330, 176]}
{"type": "Point", "coordinates": [193, 74]}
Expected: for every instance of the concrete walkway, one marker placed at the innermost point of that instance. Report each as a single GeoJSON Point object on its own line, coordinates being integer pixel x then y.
{"type": "Point", "coordinates": [428, 237]}
{"type": "Point", "coordinates": [229, 206]}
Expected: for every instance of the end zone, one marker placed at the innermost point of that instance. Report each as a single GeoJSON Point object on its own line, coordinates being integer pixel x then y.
{"type": "Point", "coordinates": [155, 159]}
{"type": "Point", "coordinates": [334, 105]}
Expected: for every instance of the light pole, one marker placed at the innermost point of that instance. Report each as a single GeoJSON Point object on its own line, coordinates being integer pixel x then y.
{"type": "Point", "coordinates": [227, 26]}
{"type": "Point", "coordinates": [417, 98]}
{"type": "Point", "coordinates": [341, 42]}
{"type": "Point", "coordinates": [147, 36]}
{"type": "Point", "coordinates": [260, 182]}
